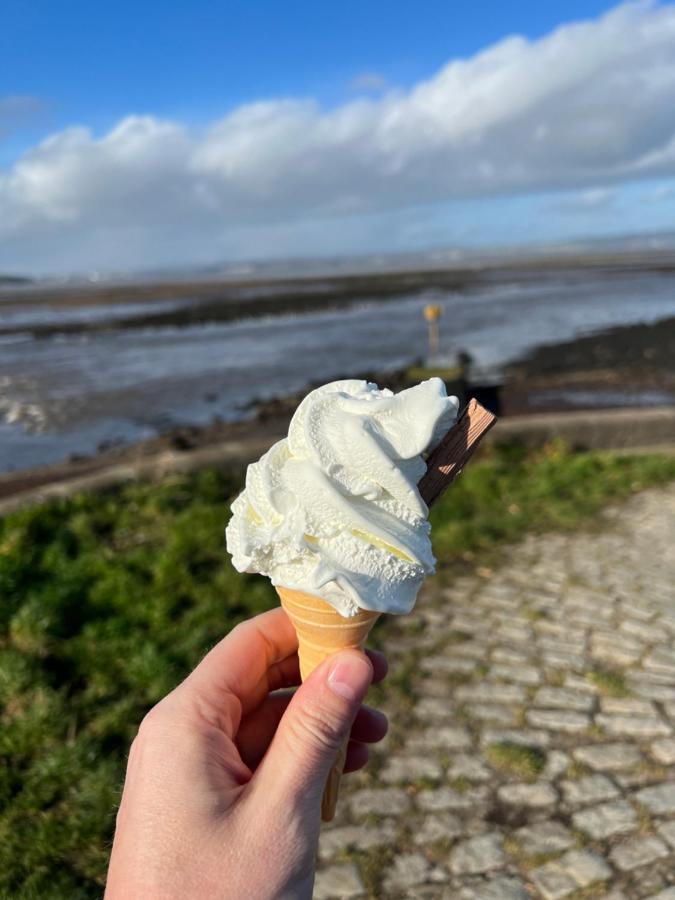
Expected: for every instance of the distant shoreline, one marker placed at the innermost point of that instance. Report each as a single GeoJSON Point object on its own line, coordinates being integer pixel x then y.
{"type": "Point", "coordinates": [224, 300]}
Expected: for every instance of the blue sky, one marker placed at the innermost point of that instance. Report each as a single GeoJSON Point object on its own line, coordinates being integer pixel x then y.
{"type": "Point", "coordinates": [95, 63]}
{"type": "Point", "coordinates": [109, 86]}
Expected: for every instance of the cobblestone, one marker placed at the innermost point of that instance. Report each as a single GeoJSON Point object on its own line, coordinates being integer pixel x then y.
{"type": "Point", "coordinates": [557, 762]}
{"type": "Point", "coordinates": [663, 751]}
{"type": "Point", "coordinates": [537, 796]}
{"type": "Point", "coordinates": [633, 726]}
{"type": "Point", "coordinates": [437, 827]}
{"type": "Point", "coordinates": [411, 869]}
{"type": "Point", "coordinates": [553, 882]}
{"type": "Point", "coordinates": [448, 664]}
{"type": "Point", "coordinates": [449, 798]}
{"type": "Point", "coordinates": [518, 673]}
{"type": "Point", "coordinates": [659, 800]}
{"type": "Point", "coordinates": [496, 889]}
{"type": "Point", "coordinates": [443, 738]}
{"type": "Point", "coordinates": [576, 869]}
{"type": "Point", "coordinates": [338, 881]}
{"type": "Point", "coordinates": [495, 715]}
{"type": "Point", "coordinates": [407, 768]}
{"type": "Point", "coordinates": [544, 837]}
{"type": "Point", "coordinates": [638, 629]}
{"type": "Point", "coordinates": [554, 659]}
{"type": "Point", "coordinates": [509, 656]}
{"type": "Point", "coordinates": [592, 789]}
{"type": "Point", "coordinates": [627, 706]}
{"type": "Point", "coordinates": [637, 852]}
{"type": "Point", "coordinates": [586, 868]}
{"type": "Point", "coordinates": [652, 690]}
{"type": "Point", "coordinates": [469, 767]}
{"type": "Point", "coordinates": [383, 801]}
{"type": "Point", "coordinates": [667, 832]}
{"type": "Point", "coordinates": [558, 720]}
{"type": "Point", "coordinates": [357, 837]}
{"type": "Point", "coordinates": [661, 659]}
{"type": "Point", "coordinates": [615, 757]}
{"type": "Point", "coordinates": [477, 855]}
{"type": "Point", "coordinates": [484, 692]}
{"type": "Point", "coordinates": [562, 698]}
{"type": "Point", "coordinates": [434, 708]}
{"type": "Point", "coordinates": [606, 820]}
{"type": "Point", "coordinates": [579, 683]}
{"type": "Point", "coordinates": [580, 799]}
{"type": "Point", "coordinates": [525, 737]}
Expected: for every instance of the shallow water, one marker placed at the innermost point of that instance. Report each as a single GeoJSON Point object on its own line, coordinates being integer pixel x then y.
{"type": "Point", "coordinates": [68, 393]}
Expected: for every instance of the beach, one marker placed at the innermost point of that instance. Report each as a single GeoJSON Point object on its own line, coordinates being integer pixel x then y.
{"type": "Point", "coordinates": [102, 372]}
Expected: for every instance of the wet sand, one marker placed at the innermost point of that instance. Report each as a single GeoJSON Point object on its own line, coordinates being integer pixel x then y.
{"type": "Point", "coordinates": [626, 366]}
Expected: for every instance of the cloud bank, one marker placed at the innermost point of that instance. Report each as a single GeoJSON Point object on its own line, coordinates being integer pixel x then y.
{"type": "Point", "coordinates": [588, 106]}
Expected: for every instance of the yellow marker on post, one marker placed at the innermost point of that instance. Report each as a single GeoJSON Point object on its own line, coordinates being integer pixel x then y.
{"type": "Point", "coordinates": [432, 313]}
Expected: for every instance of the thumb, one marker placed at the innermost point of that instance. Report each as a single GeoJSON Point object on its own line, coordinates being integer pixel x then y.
{"type": "Point", "coordinates": [315, 725]}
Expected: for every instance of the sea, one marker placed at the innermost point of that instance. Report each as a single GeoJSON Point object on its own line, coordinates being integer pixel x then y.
{"type": "Point", "coordinates": [74, 391]}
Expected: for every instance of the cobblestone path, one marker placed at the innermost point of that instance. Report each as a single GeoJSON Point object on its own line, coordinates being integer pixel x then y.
{"type": "Point", "coordinates": [532, 748]}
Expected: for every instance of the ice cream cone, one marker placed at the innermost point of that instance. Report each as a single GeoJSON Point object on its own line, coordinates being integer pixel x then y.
{"type": "Point", "coordinates": [321, 632]}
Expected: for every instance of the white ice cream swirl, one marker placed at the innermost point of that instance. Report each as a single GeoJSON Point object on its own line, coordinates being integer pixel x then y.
{"type": "Point", "coordinates": [334, 509]}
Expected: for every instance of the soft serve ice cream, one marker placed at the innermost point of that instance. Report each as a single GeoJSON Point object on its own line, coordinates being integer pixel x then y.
{"type": "Point", "coordinates": [333, 510]}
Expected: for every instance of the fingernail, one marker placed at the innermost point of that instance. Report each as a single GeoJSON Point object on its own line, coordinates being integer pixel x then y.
{"type": "Point", "coordinates": [349, 678]}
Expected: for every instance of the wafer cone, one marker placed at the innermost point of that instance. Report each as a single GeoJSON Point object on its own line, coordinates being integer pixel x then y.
{"type": "Point", "coordinates": [321, 632]}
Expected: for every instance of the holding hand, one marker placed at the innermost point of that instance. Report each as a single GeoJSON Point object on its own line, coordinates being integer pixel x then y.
{"type": "Point", "coordinates": [224, 781]}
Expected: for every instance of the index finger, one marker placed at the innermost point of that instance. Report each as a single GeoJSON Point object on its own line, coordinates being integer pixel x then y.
{"type": "Point", "coordinates": [234, 676]}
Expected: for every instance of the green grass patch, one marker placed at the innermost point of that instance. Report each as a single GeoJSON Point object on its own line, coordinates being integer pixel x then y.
{"type": "Point", "coordinates": [515, 759]}
{"type": "Point", "coordinates": [108, 600]}
{"type": "Point", "coordinates": [610, 682]}
{"type": "Point", "coordinates": [461, 784]}
{"type": "Point", "coordinates": [415, 374]}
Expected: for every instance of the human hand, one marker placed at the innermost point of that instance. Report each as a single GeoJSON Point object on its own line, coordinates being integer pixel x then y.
{"type": "Point", "coordinates": [224, 780]}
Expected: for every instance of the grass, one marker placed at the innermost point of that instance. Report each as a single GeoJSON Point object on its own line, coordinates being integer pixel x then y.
{"type": "Point", "coordinates": [107, 601]}
{"type": "Point", "coordinates": [516, 759]}
{"type": "Point", "coordinates": [415, 374]}
{"type": "Point", "coordinates": [610, 682]}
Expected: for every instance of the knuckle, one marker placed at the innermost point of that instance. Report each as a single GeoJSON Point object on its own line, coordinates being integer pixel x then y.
{"type": "Point", "coordinates": [313, 727]}
{"type": "Point", "coordinates": [152, 722]}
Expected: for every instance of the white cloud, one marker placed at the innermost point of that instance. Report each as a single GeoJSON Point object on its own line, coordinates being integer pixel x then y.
{"type": "Point", "coordinates": [587, 106]}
